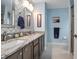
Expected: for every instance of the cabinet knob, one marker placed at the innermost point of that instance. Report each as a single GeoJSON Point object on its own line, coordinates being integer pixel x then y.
{"type": "Point", "coordinates": [75, 35]}
{"type": "Point", "coordinates": [20, 53]}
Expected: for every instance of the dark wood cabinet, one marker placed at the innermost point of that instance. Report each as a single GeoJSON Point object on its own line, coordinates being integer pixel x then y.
{"type": "Point", "coordinates": [28, 52]}
{"type": "Point", "coordinates": [41, 45]}
{"type": "Point", "coordinates": [20, 54]}
{"type": "Point", "coordinates": [16, 55]}
{"type": "Point", "coordinates": [31, 51]}
{"type": "Point", "coordinates": [36, 52]}
{"type": "Point", "coordinates": [36, 49]}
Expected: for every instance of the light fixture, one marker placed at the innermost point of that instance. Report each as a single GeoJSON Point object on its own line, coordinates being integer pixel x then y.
{"type": "Point", "coordinates": [25, 3]}
{"type": "Point", "coordinates": [31, 7]}
{"type": "Point", "coordinates": [39, 20]}
{"type": "Point", "coordinates": [28, 5]}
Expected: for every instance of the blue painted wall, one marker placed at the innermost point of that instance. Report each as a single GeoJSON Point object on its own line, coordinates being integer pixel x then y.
{"type": "Point", "coordinates": [64, 23]}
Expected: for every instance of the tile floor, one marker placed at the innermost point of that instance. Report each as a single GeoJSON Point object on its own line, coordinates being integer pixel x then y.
{"type": "Point", "coordinates": [56, 52]}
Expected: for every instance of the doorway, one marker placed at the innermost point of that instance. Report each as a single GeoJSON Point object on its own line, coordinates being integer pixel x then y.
{"type": "Point", "coordinates": [72, 29]}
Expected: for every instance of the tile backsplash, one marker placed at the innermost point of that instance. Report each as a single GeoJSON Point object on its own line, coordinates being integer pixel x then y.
{"type": "Point", "coordinates": [13, 30]}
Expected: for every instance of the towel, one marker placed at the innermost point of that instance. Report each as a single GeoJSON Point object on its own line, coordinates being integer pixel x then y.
{"type": "Point", "coordinates": [21, 23]}
{"type": "Point", "coordinates": [56, 33]}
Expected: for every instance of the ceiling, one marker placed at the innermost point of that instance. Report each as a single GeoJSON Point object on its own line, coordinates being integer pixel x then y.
{"type": "Point", "coordinates": [53, 4]}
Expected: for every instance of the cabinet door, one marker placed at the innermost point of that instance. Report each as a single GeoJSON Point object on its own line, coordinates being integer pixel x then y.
{"type": "Point", "coordinates": [17, 55]}
{"type": "Point", "coordinates": [20, 54]}
{"type": "Point", "coordinates": [13, 56]}
{"type": "Point", "coordinates": [28, 52]}
{"type": "Point", "coordinates": [43, 44]}
{"type": "Point", "coordinates": [40, 46]}
{"type": "Point", "coordinates": [36, 55]}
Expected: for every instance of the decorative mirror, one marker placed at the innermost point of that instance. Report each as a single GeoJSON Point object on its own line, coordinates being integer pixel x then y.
{"type": "Point", "coordinates": [7, 12]}
{"type": "Point", "coordinates": [39, 20]}
{"type": "Point", "coordinates": [28, 18]}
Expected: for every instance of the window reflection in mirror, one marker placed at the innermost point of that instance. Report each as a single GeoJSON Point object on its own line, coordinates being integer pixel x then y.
{"type": "Point", "coordinates": [6, 12]}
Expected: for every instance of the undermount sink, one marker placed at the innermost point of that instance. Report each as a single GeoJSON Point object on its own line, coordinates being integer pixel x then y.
{"type": "Point", "coordinates": [11, 44]}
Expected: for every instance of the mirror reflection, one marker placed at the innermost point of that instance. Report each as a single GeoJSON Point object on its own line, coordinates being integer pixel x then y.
{"type": "Point", "coordinates": [10, 12]}
{"type": "Point", "coordinates": [28, 18]}
{"type": "Point", "coordinates": [7, 11]}
{"type": "Point", "coordinates": [23, 18]}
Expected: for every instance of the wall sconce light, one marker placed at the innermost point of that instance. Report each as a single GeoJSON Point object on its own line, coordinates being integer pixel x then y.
{"type": "Point", "coordinates": [28, 20]}
{"type": "Point", "coordinates": [39, 20]}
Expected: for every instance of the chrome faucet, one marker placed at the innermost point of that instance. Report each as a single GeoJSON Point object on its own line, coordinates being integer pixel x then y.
{"type": "Point", "coordinates": [4, 36]}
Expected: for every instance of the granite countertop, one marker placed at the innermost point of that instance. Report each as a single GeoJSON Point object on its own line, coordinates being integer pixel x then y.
{"type": "Point", "coordinates": [11, 46]}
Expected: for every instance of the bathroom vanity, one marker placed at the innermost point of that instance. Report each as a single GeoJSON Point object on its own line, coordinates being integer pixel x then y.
{"type": "Point", "coordinates": [27, 47]}
{"type": "Point", "coordinates": [17, 46]}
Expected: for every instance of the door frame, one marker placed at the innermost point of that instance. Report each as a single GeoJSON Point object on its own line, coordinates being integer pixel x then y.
{"type": "Point", "coordinates": [69, 36]}
{"type": "Point", "coordinates": [75, 29]}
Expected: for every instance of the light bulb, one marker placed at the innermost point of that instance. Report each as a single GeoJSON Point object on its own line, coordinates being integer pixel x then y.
{"type": "Point", "coordinates": [26, 3]}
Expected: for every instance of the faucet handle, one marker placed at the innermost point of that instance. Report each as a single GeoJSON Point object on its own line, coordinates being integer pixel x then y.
{"type": "Point", "coordinates": [4, 35]}
{"type": "Point", "coordinates": [4, 32]}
